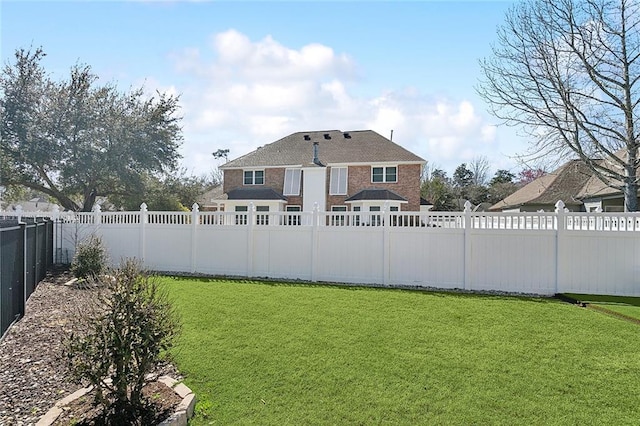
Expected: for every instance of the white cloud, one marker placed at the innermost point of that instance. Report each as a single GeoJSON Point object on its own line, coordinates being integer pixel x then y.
{"type": "Point", "coordinates": [240, 94]}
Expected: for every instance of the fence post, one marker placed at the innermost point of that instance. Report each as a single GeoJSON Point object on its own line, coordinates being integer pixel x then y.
{"type": "Point", "coordinates": [143, 224]}
{"type": "Point", "coordinates": [250, 228]}
{"type": "Point", "coordinates": [97, 212]}
{"type": "Point", "coordinates": [314, 242]}
{"type": "Point", "coordinates": [560, 232]}
{"type": "Point", "coordinates": [386, 233]}
{"type": "Point", "coordinates": [25, 253]}
{"type": "Point", "coordinates": [195, 211]}
{"type": "Point", "coordinates": [19, 213]}
{"type": "Point", "coordinates": [467, 245]}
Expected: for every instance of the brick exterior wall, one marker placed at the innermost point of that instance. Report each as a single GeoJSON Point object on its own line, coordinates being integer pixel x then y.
{"type": "Point", "coordinates": [359, 177]}
{"type": "Point", "coordinates": [273, 178]}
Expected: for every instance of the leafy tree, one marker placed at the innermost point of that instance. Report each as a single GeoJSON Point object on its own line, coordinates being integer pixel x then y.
{"type": "Point", "coordinates": [568, 72]}
{"type": "Point", "coordinates": [502, 176]}
{"type": "Point", "coordinates": [501, 186]}
{"type": "Point", "coordinates": [437, 190]}
{"type": "Point", "coordinates": [75, 140]}
{"type": "Point", "coordinates": [477, 194]}
{"type": "Point", "coordinates": [462, 176]}
{"type": "Point", "coordinates": [221, 153]}
{"type": "Point", "coordinates": [176, 192]}
{"type": "Point", "coordinates": [440, 174]}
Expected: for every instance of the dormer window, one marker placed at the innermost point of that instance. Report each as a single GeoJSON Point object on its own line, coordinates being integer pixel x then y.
{"type": "Point", "coordinates": [254, 177]}
{"type": "Point", "coordinates": [384, 174]}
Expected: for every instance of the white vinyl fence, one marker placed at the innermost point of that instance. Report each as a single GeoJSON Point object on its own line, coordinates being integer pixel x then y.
{"type": "Point", "coordinates": [539, 253]}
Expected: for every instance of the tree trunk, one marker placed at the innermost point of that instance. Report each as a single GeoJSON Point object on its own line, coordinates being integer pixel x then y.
{"type": "Point", "coordinates": [89, 201]}
{"type": "Point", "coordinates": [631, 194]}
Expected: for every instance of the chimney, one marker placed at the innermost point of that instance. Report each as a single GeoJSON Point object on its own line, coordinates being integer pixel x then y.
{"type": "Point", "coordinates": [316, 160]}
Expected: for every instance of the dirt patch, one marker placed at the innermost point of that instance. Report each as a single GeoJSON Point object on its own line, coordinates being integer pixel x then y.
{"type": "Point", "coordinates": [82, 411]}
{"type": "Point", "coordinates": [32, 375]}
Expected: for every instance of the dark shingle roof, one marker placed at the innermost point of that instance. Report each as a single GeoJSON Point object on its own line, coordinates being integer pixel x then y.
{"type": "Point", "coordinates": [564, 184]}
{"type": "Point", "coordinates": [254, 194]}
{"type": "Point", "coordinates": [376, 194]}
{"type": "Point", "coordinates": [334, 146]}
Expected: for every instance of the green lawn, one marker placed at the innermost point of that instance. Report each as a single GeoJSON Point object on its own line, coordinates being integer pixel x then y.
{"type": "Point", "coordinates": [629, 306]}
{"type": "Point", "coordinates": [278, 354]}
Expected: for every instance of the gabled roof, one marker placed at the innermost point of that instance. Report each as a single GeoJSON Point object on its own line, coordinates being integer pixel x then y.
{"type": "Point", "coordinates": [334, 147]}
{"type": "Point", "coordinates": [564, 184]}
{"type": "Point", "coordinates": [254, 194]}
{"type": "Point", "coordinates": [211, 196]}
{"type": "Point", "coordinates": [376, 194]}
{"type": "Point", "coordinates": [596, 187]}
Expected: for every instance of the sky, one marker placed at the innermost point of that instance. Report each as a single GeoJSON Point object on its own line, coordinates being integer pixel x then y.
{"type": "Point", "coordinates": [250, 73]}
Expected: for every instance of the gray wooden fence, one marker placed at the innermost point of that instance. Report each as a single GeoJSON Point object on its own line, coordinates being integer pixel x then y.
{"type": "Point", "coordinates": [26, 252]}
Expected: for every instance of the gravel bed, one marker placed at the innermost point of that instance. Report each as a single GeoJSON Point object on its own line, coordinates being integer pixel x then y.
{"type": "Point", "coordinates": [32, 374]}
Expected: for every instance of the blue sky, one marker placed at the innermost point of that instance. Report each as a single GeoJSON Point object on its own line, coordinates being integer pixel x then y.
{"type": "Point", "coordinates": [249, 73]}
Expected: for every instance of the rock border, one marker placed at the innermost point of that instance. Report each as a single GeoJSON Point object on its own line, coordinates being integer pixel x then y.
{"type": "Point", "coordinates": [184, 410]}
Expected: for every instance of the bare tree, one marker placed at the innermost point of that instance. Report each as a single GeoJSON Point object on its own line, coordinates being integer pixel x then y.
{"type": "Point", "coordinates": [568, 72]}
{"type": "Point", "coordinates": [479, 166]}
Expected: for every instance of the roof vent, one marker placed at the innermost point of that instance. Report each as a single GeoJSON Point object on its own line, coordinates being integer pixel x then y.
{"type": "Point", "coordinates": [327, 136]}
{"type": "Point", "coordinates": [307, 137]}
{"type": "Point", "coordinates": [347, 135]}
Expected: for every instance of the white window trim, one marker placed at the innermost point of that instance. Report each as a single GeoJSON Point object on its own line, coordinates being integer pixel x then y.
{"type": "Point", "coordinates": [294, 183]}
{"type": "Point", "coordinates": [346, 208]}
{"type": "Point", "coordinates": [384, 173]}
{"type": "Point", "coordinates": [253, 176]}
{"type": "Point", "coordinates": [346, 180]}
{"type": "Point", "coordinates": [293, 205]}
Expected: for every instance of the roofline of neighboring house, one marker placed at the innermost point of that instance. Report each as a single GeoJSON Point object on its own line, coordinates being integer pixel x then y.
{"type": "Point", "coordinates": [297, 166]}
{"type": "Point", "coordinates": [497, 207]}
{"type": "Point", "coordinates": [378, 201]}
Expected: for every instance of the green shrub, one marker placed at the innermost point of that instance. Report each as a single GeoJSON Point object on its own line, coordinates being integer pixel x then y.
{"type": "Point", "coordinates": [90, 259]}
{"type": "Point", "coordinates": [120, 341]}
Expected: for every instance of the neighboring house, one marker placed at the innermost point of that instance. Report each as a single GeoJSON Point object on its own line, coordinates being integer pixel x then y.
{"type": "Point", "coordinates": [210, 200]}
{"type": "Point", "coordinates": [37, 204]}
{"type": "Point", "coordinates": [574, 183]}
{"type": "Point", "coordinates": [543, 193]}
{"type": "Point", "coordinates": [335, 170]}
{"type": "Point", "coordinates": [597, 194]}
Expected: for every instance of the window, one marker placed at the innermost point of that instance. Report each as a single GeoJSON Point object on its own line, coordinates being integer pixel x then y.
{"type": "Point", "coordinates": [241, 219]}
{"type": "Point", "coordinates": [338, 219]}
{"type": "Point", "coordinates": [338, 182]}
{"type": "Point", "coordinates": [384, 174]}
{"type": "Point", "coordinates": [292, 181]}
{"type": "Point", "coordinates": [261, 217]}
{"type": "Point", "coordinates": [293, 219]}
{"type": "Point", "coordinates": [393, 209]}
{"type": "Point", "coordinates": [375, 219]}
{"type": "Point", "coordinates": [254, 177]}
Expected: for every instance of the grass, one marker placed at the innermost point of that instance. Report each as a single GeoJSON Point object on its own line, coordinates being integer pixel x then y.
{"type": "Point", "coordinates": [278, 354]}
{"type": "Point", "coordinates": [629, 306]}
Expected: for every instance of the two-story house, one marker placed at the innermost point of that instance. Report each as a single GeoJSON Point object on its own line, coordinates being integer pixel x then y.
{"type": "Point", "coordinates": [338, 171]}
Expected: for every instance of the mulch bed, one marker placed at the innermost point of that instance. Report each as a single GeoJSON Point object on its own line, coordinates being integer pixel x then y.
{"type": "Point", "coordinates": [32, 375]}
